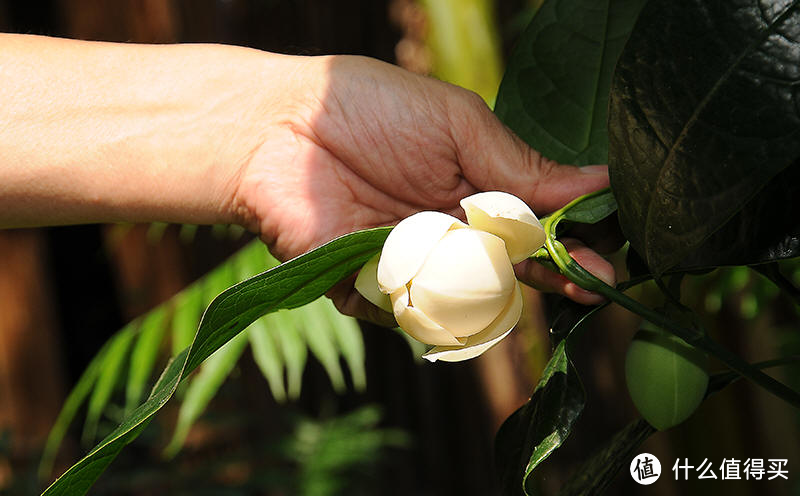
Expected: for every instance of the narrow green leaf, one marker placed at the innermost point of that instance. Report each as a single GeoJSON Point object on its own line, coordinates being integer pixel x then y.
{"type": "Point", "coordinates": [290, 285]}
{"type": "Point", "coordinates": [321, 341]}
{"type": "Point", "coordinates": [188, 310]}
{"type": "Point", "coordinates": [216, 281]}
{"type": "Point", "coordinates": [293, 348]}
{"type": "Point", "coordinates": [155, 232]}
{"type": "Point", "coordinates": [144, 354]}
{"type": "Point", "coordinates": [267, 355]}
{"type": "Point", "coordinates": [251, 260]}
{"type": "Point", "coordinates": [109, 375]}
{"type": "Point", "coordinates": [350, 342]}
{"type": "Point", "coordinates": [554, 93]}
{"type": "Point", "coordinates": [597, 473]}
{"type": "Point", "coordinates": [203, 386]}
{"type": "Point", "coordinates": [254, 259]}
{"type": "Point", "coordinates": [187, 232]}
{"type": "Point", "coordinates": [73, 402]}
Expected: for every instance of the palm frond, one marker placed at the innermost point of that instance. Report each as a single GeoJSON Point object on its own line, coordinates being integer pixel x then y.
{"type": "Point", "coordinates": [280, 343]}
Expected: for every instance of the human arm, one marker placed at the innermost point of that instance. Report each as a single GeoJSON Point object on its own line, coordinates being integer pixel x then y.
{"type": "Point", "coordinates": [296, 149]}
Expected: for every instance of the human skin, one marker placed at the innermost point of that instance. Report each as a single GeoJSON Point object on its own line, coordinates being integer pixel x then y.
{"type": "Point", "coordinates": [296, 149]}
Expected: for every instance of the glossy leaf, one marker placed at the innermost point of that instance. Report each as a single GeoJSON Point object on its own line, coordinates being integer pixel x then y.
{"type": "Point", "coordinates": [531, 434]}
{"type": "Point", "coordinates": [704, 114]}
{"type": "Point", "coordinates": [292, 284]}
{"type": "Point", "coordinates": [540, 426]}
{"type": "Point", "coordinates": [597, 473]}
{"type": "Point", "coordinates": [554, 93]}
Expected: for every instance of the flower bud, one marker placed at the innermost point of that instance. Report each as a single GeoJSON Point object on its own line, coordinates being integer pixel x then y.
{"type": "Point", "coordinates": [507, 217]}
{"type": "Point", "coordinates": [367, 286]}
{"type": "Point", "coordinates": [450, 284]}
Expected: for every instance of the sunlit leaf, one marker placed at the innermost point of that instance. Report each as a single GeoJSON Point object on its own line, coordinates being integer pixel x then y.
{"type": "Point", "coordinates": [290, 285]}
{"type": "Point", "coordinates": [293, 347]}
{"type": "Point", "coordinates": [203, 386]}
{"type": "Point", "coordinates": [350, 342]}
{"type": "Point", "coordinates": [109, 376]}
{"type": "Point", "coordinates": [189, 306]}
{"type": "Point", "coordinates": [319, 335]}
{"type": "Point", "coordinates": [267, 355]}
{"type": "Point", "coordinates": [143, 357]}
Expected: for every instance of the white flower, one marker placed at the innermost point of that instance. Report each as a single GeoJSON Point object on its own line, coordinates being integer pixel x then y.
{"type": "Point", "coordinates": [450, 284]}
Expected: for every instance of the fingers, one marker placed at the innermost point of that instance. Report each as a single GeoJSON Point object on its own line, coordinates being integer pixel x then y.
{"type": "Point", "coordinates": [543, 279]}
{"type": "Point", "coordinates": [494, 158]}
{"type": "Point", "coordinates": [350, 302]}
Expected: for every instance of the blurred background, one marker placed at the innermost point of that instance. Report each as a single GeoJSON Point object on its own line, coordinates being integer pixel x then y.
{"type": "Point", "coordinates": [358, 415]}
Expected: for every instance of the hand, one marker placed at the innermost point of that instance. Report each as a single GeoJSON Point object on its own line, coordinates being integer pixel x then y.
{"type": "Point", "coordinates": [298, 149]}
{"type": "Point", "coordinates": [360, 143]}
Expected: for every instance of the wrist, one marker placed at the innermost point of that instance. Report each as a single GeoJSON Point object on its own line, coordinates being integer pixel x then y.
{"type": "Point", "coordinates": [103, 132]}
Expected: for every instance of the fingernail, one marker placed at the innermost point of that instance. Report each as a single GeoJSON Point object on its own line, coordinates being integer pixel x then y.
{"type": "Point", "coordinates": [595, 169]}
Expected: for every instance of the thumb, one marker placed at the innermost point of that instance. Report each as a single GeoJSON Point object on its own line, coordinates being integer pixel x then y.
{"type": "Point", "coordinates": [492, 157]}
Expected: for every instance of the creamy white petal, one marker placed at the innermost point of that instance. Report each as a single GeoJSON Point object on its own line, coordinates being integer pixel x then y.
{"type": "Point", "coordinates": [508, 217]}
{"type": "Point", "coordinates": [408, 245]}
{"type": "Point", "coordinates": [479, 343]}
{"type": "Point", "coordinates": [367, 284]}
{"type": "Point", "coordinates": [417, 325]}
{"type": "Point", "coordinates": [465, 282]}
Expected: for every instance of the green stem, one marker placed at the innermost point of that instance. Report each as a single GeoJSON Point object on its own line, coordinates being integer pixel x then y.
{"type": "Point", "coordinates": [583, 278]}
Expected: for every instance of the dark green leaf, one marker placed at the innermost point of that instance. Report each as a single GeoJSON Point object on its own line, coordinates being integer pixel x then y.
{"type": "Point", "coordinates": [541, 425]}
{"type": "Point", "coordinates": [595, 475]}
{"type": "Point", "coordinates": [593, 209]}
{"type": "Point", "coordinates": [292, 284]}
{"type": "Point", "coordinates": [703, 115]}
{"type": "Point", "coordinates": [554, 93]}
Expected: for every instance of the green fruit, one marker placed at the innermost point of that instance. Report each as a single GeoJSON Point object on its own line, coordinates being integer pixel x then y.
{"type": "Point", "coordinates": [666, 377]}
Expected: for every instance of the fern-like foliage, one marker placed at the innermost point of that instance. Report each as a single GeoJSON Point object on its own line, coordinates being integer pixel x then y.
{"type": "Point", "coordinates": [279, 342]}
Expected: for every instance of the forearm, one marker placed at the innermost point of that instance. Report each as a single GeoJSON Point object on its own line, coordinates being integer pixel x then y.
{"type": "Point", "coordinates": [98, 132]}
